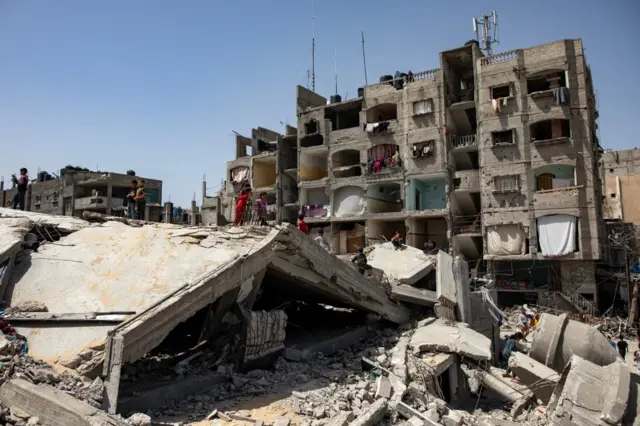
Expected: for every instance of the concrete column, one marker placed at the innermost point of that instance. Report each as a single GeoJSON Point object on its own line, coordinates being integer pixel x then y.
{"type": "Point", "coordinates": [204, 189]}
{"type": "Point", "coordinates": [73, 197]}
{"type": "Point", "coordinates": [168, 211]}
{"type": "Point", "coordinates": [109, 196]}
{"type": "Point", "coordinates": [463, 292]}
{"type": "Point", "coordinates": [219, 211]}
{"type": "Point", "coordinates": [194, 213]}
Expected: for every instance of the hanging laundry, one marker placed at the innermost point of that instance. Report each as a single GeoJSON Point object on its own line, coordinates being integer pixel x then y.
{"type": "Point", "coordinates": [495, 104]}
{"type": "Point", "coordinates": [503, 102]}
{"type": "Point", "coordinates": [561, 95]}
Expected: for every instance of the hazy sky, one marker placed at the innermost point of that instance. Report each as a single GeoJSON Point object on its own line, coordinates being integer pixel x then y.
{"type": "Point", "coordinates": [158, 86]}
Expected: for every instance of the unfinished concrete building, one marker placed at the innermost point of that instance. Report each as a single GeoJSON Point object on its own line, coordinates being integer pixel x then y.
{"type": "Point", "coordinates": [77, 190]}
{"type": "Point", "coordinates": [493, 158]}
{"type": "Point", "coordinates": [270, 166]}
{"type": "Point", "coordinates": [621, 171]}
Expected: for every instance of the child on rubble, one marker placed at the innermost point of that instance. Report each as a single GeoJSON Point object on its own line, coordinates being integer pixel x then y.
{"type": "Point", "coordinates": [241, 206]}
{"type": "Point", "coordinates": [302, 225]}
{"type": "Point", "coordinates": [260, 207]}
{"type": "Point", "coordinates": [509, 347]}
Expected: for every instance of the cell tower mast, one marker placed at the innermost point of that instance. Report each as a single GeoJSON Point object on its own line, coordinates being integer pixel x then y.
{"type": "Point", "coordinates": [486, 29]}
{"type": "Point", "coordinates": [313, 45]}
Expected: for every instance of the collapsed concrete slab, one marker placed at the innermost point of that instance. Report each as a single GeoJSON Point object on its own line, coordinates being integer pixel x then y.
{"type": "Point", "coordinates": [557, 339]}
{"type": "Point", "coordinates": [12, 233]}
{"type": "Point", "coordinates": [65, 224]}
{"type": "Point", "coordinates": [52, 406]}
{"type": "Point", "coordinates": [166, 273]}
{"type": "Point", "coordinates": [406, 266]}
{"type": "Point", "coordinates": [416, 296]}
{"type": "Point", "coordinates": [541, 379]}
{"type": "Point", "coordinates": [438, 336]}
{"type": "Point", "coordinates": [588, 394]}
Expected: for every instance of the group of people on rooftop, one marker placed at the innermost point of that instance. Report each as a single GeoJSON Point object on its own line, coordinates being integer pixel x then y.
{"type": "Point", "coordinates": [250, 212]}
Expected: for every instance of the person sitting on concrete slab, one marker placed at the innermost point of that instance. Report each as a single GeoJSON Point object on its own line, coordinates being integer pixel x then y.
{"type": "Point", "coordinates": [396, 240]}
{"type": "Point", "coordinates": [430, 247]}
{"type": "Point", "coordinates": [302, 225]}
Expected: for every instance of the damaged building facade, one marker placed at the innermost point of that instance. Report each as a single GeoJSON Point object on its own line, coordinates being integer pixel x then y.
{"type": "Point", "coordinates": [77, 190]}
{"type": "Point", "coordinates": [490, 157]}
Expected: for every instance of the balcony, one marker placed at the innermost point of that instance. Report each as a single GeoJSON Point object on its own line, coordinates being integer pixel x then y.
{"type": "Point", "coordinates": [384, 161]}
{"type": "Point", "coordinates": [466, 180]}
{"type": "Point", "coordinates": [558, 198]}
{"type": "Point", "coordinates": [466, 225]}
{"type": "Point", "coordinates": [463, 142]}
{"type": "Point", "coordinates": [499, 58]}
{"type": "Point", "coordinates": [97, 203]}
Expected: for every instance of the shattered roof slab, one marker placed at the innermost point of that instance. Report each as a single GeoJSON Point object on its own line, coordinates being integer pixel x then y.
{"type": "Point", "coordinates": [165, 273]}
{"type": "Point", "coordinates": [405, 266]}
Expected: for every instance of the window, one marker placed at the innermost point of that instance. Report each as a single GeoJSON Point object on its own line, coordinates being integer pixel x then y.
{"type": "Point", "coordinates": [311, 127]}
{"type": "Point", "coordinates": [422, 149]}
{"type": "Point", "coordinates": [510, 183]}
{"type": "Point", "coordinates": [499, 92]}
{"type": "Point", "coordinates": [545, 181]}
{"type": "Point", "coordinates": [423, 107]}
{"type": "Point", "coordinates": [504, 137]}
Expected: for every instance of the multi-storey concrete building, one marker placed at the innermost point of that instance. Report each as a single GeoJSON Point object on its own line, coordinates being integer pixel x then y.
{"type": "Point", "coordinates": [77, 190]}
{"type": "Point", "coordinates": [494, 158]}
{"type": "Point", "coordinates": [621, 170]}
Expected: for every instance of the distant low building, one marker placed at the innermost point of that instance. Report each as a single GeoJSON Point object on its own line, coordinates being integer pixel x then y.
{"type": "Point", "coordinates": [76, 190]}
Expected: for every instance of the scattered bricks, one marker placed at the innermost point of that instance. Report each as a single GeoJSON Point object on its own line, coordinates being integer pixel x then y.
{"type": "Point", "coordinates": [409, 412]}
{"type": "Point", "coordinates": [383, 387]}
{"type": "Point", "coordinates": [373, 415]}
{"type": "Point", "coordinates": [342, 419]}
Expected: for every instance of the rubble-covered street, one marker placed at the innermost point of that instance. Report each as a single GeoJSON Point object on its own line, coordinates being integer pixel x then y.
{"type": "Point", "coordinates": [260, 326]}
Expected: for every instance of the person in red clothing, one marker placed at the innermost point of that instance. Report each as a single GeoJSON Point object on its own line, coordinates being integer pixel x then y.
{"type": "Point", "coordinates": [241, 206]}
{"type": "Point", "coordinates": [302, 226]}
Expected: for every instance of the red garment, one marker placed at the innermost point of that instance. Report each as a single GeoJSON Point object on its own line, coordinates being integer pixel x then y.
{"type": "Point", "coordinates": [238, 219]}
{"type": "Point", "coordinates": [377, 166]}
{"type": "Point", "coordinates": [303, 227]}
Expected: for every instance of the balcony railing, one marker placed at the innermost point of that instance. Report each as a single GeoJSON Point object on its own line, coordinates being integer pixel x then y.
{"type": "Point", "coordinates": [500, 57]}
{"type": "Point", "coordinates": [464, 141]}
{"type": "Point", "coordinates": [467, 224]}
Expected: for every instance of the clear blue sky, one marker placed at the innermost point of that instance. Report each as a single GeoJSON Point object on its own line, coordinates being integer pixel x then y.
{"type": "Point", "coordinates": [158, 86]}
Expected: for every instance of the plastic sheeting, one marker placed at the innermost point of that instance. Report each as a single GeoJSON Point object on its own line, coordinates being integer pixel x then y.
{"type": "Point", "coordinates": [557, 234]}
{"type": "Point", "coordinates": [506, 240]}
{"type": "Point", "coordinates": [348, 201]}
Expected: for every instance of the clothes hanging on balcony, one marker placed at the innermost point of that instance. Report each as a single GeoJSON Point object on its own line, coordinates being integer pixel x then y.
{"type": "Point", "coordinates": [496, 105]}
{"type": "Point", "coordinates": [561, 95]}
{"type": "Point", "coordinates": [557, 234]}
{"type": "Point", "coordinates": [505, 240]}
{"type": "Point", "coordinates": [317, 210]}
{"type": "Point", "coordinates": [421, 151]}
{"type": "Point", "coordinates": [240, 174]}
{"type": "Point", "coordinates": [376, 127]}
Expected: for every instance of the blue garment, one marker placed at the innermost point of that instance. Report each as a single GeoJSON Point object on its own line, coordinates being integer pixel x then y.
{"type": "Point", "coordinates": [613, 344]}
{"type": "Point", "coordinates": [508, 348]}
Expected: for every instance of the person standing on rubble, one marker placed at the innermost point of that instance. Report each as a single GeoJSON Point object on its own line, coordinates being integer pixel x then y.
{"type": "Point", "coordinates": [260, 207]}
{"type": "Point", "coordinates": [509, 347]}
{"type": "Point", "coordinates": [22, 184]}
{"type": "Point", "coordinates": [302, 225]}
{"type": "Point", "coordinates": [396, 240]}
{"type": "Point", "coordinates": [623, 347]}
{"type": "Point", "coordinates": [360, 260]}
{"type": "Point", "coordinates": [241, 206]}
{"type": "Point", "coordinates": [321, 240]}
{"type": "Point", "coordinates": [140, 199]}
{"type": "Point", "coordinates": [131, 200]}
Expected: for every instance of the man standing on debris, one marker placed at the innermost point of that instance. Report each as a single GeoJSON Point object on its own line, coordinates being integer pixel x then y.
{"type": "Point", "coordinates": [360, 260]}
{"type": "Point", "coordinates": [509, 347]}
{"type": "Point", "coordinates": [241, 206]}
{"type": "Point", "coordinates": [302, 225]}
{"type": "Point", "coordinates": [321, 240]}
{"type": "Point", "coordinates": [623, 347]}
{"type": "Point", "coordinates": [22, 184]}
{"type": "Point", "coordinates": [131, 200]}
{"type": "Point", "coordinates": [140, 199]}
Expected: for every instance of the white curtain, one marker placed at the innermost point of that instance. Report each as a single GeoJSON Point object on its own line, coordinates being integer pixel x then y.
{"type": "Point", "coordinates": [348, 201]}
{"type": "Point", "coordinates": [505, 240]}
{"type": "Point", "coordinates": [557, 234]}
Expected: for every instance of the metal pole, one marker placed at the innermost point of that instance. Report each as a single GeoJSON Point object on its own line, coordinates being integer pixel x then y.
{"type": "Point", "coordinates": [364, 60]}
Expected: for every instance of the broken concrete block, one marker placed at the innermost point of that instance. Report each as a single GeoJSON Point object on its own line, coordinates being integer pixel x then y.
{"type": "Point", "coordinates": [282, 421]}
{"type": "Point", "coordinates": [53, 407]}
{"type": "Point", "coordinates": [416, 296]}
{"type": "Point", "coordinates": [406, 266]}
{"type": "Point", "coordinates": [373, 415]}
{"type": "Point", "coordinates": [433, 415]}
{"type": "Point", "coordinates": [319, 412]}
{"type": "Point", "coordinates": [416, 421]}
{"type": "Point", "coordinates": [399, 358]}
{"type": "Point", "coordinates": [409, 412]}
{"type": "Point", "coordinates": [139, 419]}
{"type": "Point", "coordinates": [537, 376]}
{"type": "Point", "coordinates": [440, 337]}
{"type": "Point", "coordinates": [445, 282]}
{"type": "Point", "coordinates": [589, 394]}
{"type": "Point", "coordinates": [445, 312]}
{"type": "Point", "coordinates": [453, 418]}
{"type": "Point", "coordinates": [291, 354]}
{"type": "Point", "coordinates": [343, 418]}
{"type": "Point", "coordinates": [383, 387]}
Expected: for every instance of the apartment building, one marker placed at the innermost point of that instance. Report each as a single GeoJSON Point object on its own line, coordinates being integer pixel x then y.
{"type": "Point", "coordinates": [75, 190]}
{"type": "Point", "coordinates": [494, 158]}
{"type": "Point", "coordinates": [266, 161]}
{"type": "Point", "coordinates": [621, 170]}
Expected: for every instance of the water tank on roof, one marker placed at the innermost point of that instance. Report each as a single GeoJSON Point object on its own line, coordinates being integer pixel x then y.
{"type": "Point", "coordinates": [360, 92]}
{"type": "Point", "coordinates": [386, 78]}
{"type": "Point", "coordinates": [41, 176]}
{"type": "Point", "coordinates": [334, 99]}
{"type": "Point", "coordinates": [131, 172]}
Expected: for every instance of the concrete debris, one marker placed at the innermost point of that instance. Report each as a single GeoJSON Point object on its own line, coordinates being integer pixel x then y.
{"type": "Point", "coordinates": [451, 338]}
{"type": "Point", "coordinates": [373, 415]}
{"type": "Point", "coordinates": [139, 419]}
{"type": "Point", "coordinates": [26, 306]}
{"type": "Point", "coordinates": [406, 266]}
{"type": "Point", "coordinates": [540, 378]}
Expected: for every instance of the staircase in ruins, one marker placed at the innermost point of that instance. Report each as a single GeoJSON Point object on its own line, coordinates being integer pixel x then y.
{"type": "Point", "coordinates": [582, 304]}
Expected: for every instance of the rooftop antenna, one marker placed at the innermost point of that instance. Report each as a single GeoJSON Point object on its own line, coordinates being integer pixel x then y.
{"type": "Point", "coordinates": [488, 25]}
{"type": "Point", "coordinates": [364, 58]}
{"type": "Point", "coordinates": [335, 68]}
{"type": "Point", "coordinates": [313, 45]}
